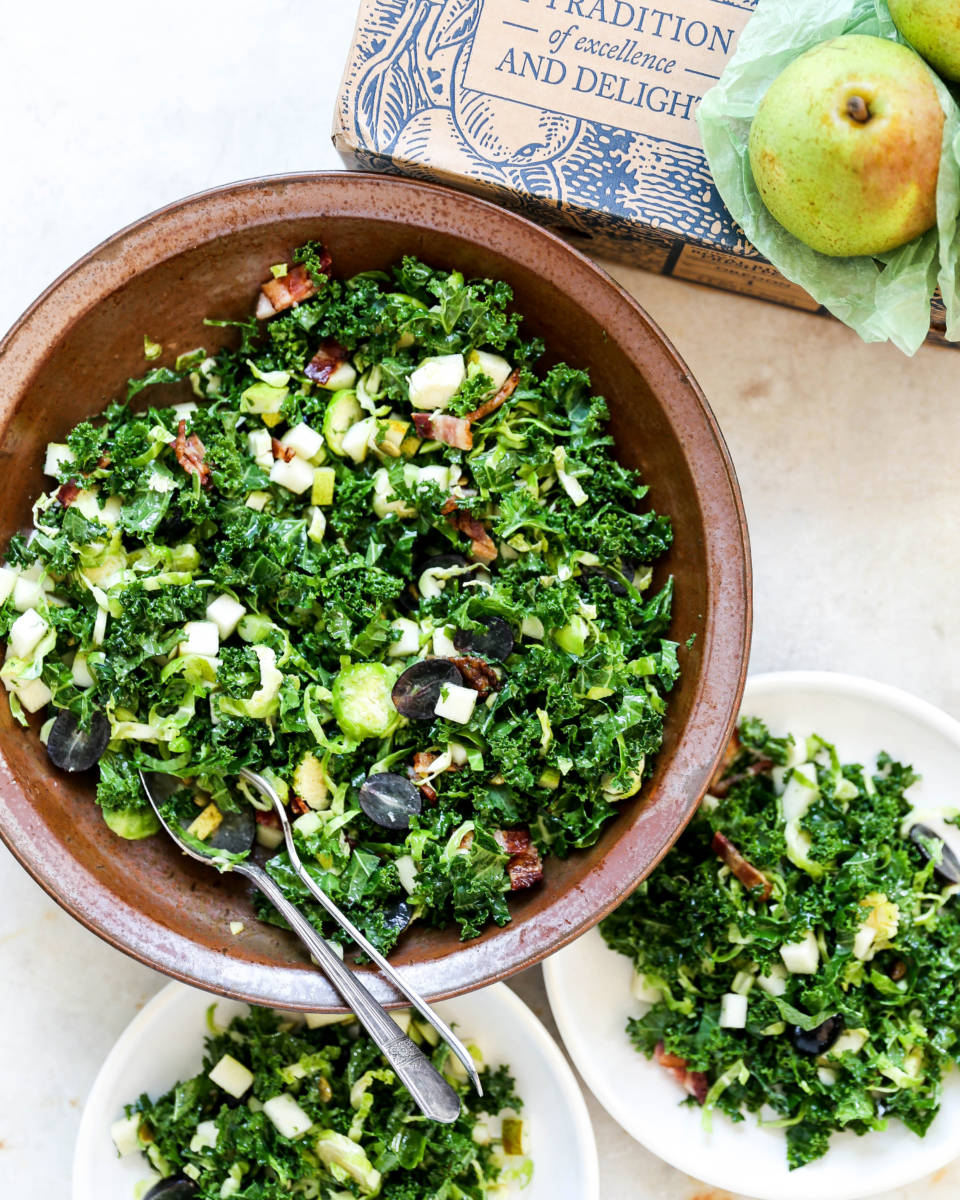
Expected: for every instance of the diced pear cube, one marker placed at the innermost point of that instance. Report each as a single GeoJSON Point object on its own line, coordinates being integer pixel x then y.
{"type": "Point", "coordinates": [57, 457]}
{"type": "Point", "coordinates": [206, 824]}
{"type": "Point", "coordinates": [257, 500]}
{"type": "Point", "coordinates": [406, 640]}
{"type": "Point", "coordinates": [33, 695]}
{"type": "Point", "coordinates": [495, 368]}
{"type": "Point", "coordinates": [324, 480]}
{"type": "Point", "coordinates": [200, 637]}
{"type": "Point", "coordinates": [803, 957]}
{"type": "Point", "coordinates": [344, 376]}
{"type": "Point", "coordinates": [27, 593]}
{"type": "Point", "coordinates": [225, 612]}
{"type": "Point", "coordinates": [316, 524]}
{"type": "Point", "coordinates": [286, 1115]}
{"type": "Point", "coordinates": [303, 440]}
{"type": "Point", "coordinates": [733, 1011]}
{"type": "Point", "coordinates": [8, 578]}
{"type": "Point", "coordinates": [296, 475]}
{"type": "Point", "coordinates": [435, 381]}
{"type": "Point", "coordinates": [232, 1076]}
{"type": "Point", "coordinates": [456, 703]}
{"type": "Point", "coordinates": [356, 441]}
{"type": "Point", "coordinates": [26, 632]}
{"type": "Point", "coordinates": [125, 1133]}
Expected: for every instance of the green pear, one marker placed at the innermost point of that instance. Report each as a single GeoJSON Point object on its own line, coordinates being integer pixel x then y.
{"type": "Point", "coordinates": [932, 27]}
{"type": "Point", "coordinates": [845, 146]}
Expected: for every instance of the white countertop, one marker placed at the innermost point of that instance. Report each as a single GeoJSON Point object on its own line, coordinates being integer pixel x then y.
{"type": "Point", "coordinates": [847, 456]}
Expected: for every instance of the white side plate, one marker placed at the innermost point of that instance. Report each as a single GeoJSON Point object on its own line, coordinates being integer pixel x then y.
{"type": "Point", "coordinates": [164, 1043]}
{"type": "Point", "coordinates": [589, 985]}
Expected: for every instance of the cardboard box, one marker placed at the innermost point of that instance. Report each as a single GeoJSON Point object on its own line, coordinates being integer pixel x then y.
{"type": "Point", "coordinates": [577, 113]}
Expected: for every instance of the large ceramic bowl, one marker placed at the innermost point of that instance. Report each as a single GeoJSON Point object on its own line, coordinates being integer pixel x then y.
{"type": "Point", "coordinates": [76, 347]}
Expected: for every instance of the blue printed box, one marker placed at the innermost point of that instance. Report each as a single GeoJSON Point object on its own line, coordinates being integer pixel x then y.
{"type": "Point", "coordinates": [578, 113]}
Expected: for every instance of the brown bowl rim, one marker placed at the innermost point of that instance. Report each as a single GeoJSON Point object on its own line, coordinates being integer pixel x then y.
{"type": "Point", "coordinates": [721, 680]}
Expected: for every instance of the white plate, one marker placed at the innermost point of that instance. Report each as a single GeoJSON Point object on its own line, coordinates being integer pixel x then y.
{"type": "Point", "coordinates": [164, 1043]}
{"type": "Point", "coordinates": [588, 984]}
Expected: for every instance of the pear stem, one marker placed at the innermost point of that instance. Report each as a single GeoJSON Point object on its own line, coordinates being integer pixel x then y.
{"type": "Point", "coordinates": [858, 109]}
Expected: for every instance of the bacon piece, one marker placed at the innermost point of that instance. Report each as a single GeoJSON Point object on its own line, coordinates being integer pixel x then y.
{"type": "Point", "coordinates": [729, 758]}
{"type": "Point", "coordinates": [68, 492]}
{"type": "Point", "coordinates": [506, 390]}
{"type": "Point", "coordinates": [748, 874]}
{"type": "Point", "coordinates": [269, 817]}
{"type": "Point", "coordinates": [483, 548]}
{"type": "Point", "coordinates": [329, 356]}
{"type": "Point", "coordinates": [289, 289]}
{"type": "Point", "coordinates": [758, 767]}
{"type": "Point", "coordinates": [423, 760]}
{"type": "Point", "coordinates": [298, 806]}
{"type": "Point", "coordinates": [103, 461]}
{"type": "Point", "coordinates": [281, 451]}
{"type": "Point", "coordinates": [440, 427]}
{"type": "Point", "coordinates": [478, 674]}
{"type": "Point", "coordinates": [513, 841]}
{"type": "Point", "coordinates": [525, 867]}
{"type": "Point", "coordinates": [190, 451]}
{"type": "Point", "coordinates": [693, 1082]}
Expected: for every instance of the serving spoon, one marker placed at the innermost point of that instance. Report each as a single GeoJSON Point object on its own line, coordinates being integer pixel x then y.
{"type": "Point", "coordinates": [432, 1094]}
{"type": "Point", "coordinates": [266, 789]}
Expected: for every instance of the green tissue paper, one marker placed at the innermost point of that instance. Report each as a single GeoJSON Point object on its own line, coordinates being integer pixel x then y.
{"type": "Point", "coordinates": [883, 299]}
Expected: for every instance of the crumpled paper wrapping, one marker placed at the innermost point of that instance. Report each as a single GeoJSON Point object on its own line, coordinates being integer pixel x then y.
{"type": "Point", "coordinates": [883, 299]}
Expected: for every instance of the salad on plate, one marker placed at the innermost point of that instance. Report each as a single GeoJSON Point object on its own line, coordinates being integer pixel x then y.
{"type": "Point", "coordinates": [797, 956]}
{"type": "Point", "coordinates": [286, 1107]}
{"type": "Point", "coordinates": [380, 556]}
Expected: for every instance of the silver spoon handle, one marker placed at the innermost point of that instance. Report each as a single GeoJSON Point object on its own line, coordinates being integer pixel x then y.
{"type": "Point", "coordinates": [418, 1002]}
{"type": "Point", "coordinates": [434, 1097]}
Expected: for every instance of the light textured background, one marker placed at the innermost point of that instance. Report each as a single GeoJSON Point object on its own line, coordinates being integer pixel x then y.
{"type": "Point", "coordinates": [847, 455]}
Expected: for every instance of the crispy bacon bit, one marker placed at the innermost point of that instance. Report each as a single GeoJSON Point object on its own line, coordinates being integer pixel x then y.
{"type": "Point", "coordinates": [755, 768]}
{"type": "Point", "coordinates": [440, 427]}
{"type": "Point", "coordinates": [68, 492]}
{"type": "Point", "coordinates": [190, 451]}
{"type": "Point", "coordinates": [483, 549]}
{"type": "Point", "coordinates": [693, 1082]}
{"type": "Point", "coordinates": [103, 461]}
{"type": "Point", "coordinates": [329, 356]}
{"type": "Point", "coordinates": [269, 817]}
{"type": "Point", "coordinates": [478, 674]}
{"type": "Point", "coordinates": [289, 289]}
{"type": "Point", "coordinates": [513, 841]}
{"type": "Point", "coordinates": [423, 760]}
{"type": "Point", "coordinates": [505, 392]}
{"type": "Point", "coordinates": [729, 758]}
{"type": "Point", "coordinates": [525, 867]}
{"type": "Point", "coordinates": [298, 806]}
{"type": "Point", "coordinates": [281, 451]}
{"type": "Point", "coordinates": [748, 874]}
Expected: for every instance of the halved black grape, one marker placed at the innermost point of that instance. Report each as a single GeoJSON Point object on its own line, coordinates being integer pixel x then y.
{"type": "Point", "coordinates": [416, 692]}
{"type": "Point", "coordinates": [390, 800]}
{"type": "Point", "coordinates": [495, 641]}
{"type": "Point", "coordinates": [74, 749]}
{"type": "Point", "coordinates": [817, 1041]}
{"type": "Point", "coordinates": [947, 869]}
{"type": "Point", "coordinates": [174, 1187]}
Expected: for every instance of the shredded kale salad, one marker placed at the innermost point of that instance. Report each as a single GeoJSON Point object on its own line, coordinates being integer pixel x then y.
{"type": "Point", "coordinates": [281, 1109]}
{"type": "Point", "coordinates": [378, 557]}
{"type": "Point", "coordinates": [799, 950]}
